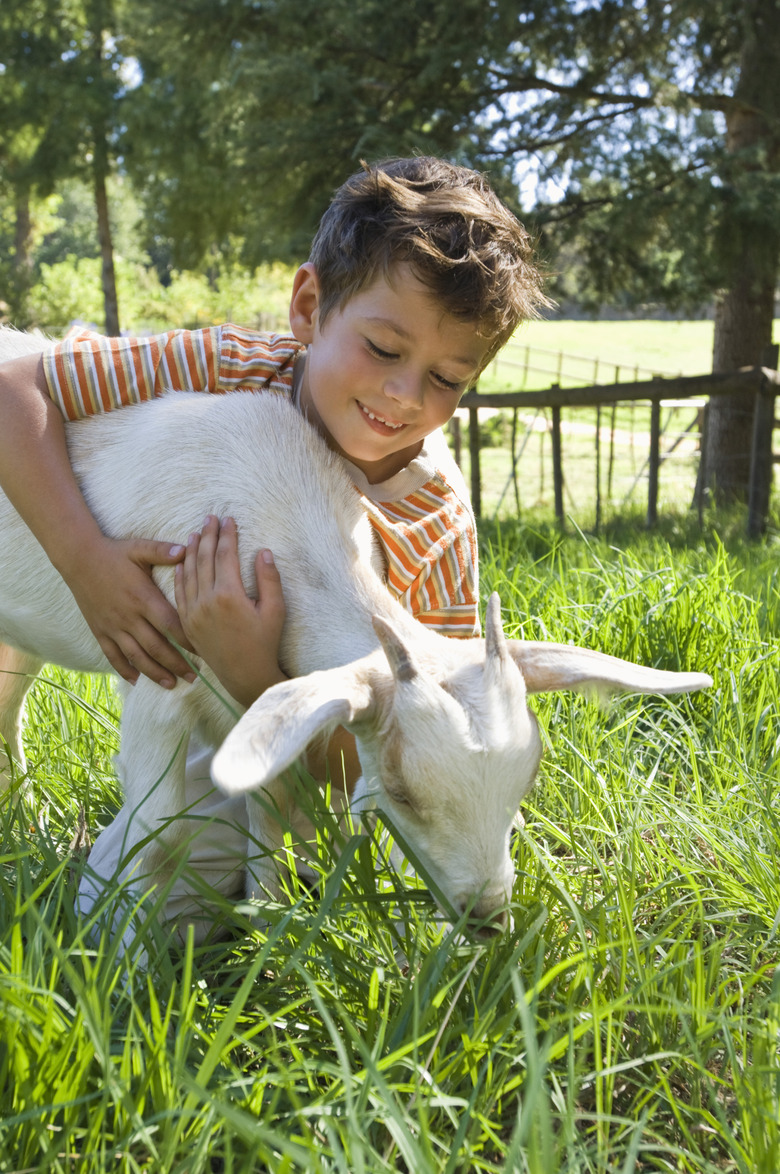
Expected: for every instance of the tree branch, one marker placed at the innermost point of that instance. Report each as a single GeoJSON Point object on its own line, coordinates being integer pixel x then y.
{"type": "Point", "coordinates": [512, 83]}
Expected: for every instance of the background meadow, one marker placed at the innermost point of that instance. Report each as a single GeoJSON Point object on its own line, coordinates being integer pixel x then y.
{"type": "Point", "coordinates": [628, 1022]}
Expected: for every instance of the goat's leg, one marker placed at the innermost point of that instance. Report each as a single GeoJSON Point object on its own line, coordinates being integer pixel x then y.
{"type": "Point", "coordinates": [134, 856]}
{"type": "Point", "coordinates": [151, 767]}
{"type": "Point", "coordinates": [18, 670]}
{"type": "Point", "coordinates": [175, 832]}
{"type": "Point", "coordinates": [270, 814]}
{"type": "Point", "coordinates": [285, 806]}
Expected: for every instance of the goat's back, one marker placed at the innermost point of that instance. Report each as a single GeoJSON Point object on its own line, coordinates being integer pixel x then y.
{"type": "Point", "coordinates": [157, 470]}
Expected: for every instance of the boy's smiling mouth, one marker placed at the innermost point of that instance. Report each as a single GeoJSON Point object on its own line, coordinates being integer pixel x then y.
{"type": "Point", "coordinates": [379, 422]}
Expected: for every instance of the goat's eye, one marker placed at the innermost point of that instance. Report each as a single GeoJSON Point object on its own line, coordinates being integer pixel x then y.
{"type": "Point", "coordinates": [401, 798]}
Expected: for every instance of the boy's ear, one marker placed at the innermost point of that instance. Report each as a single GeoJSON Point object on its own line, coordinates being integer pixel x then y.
{"type": "Point", "coordinates": [304, 303]}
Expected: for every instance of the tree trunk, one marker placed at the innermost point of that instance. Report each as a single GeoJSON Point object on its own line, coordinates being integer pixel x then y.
{"type": "Point", "coordinates": [22, 264]}
{"type": "Point", "coordinates": [744, 313]}
{"type": "Point", "coordinates": [108, 276]}
{"type": "Point", "coordinates": [743, 331]}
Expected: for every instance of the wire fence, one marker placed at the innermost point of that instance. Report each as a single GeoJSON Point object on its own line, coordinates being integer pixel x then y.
{"type": "Point", "coordinates": [586, 450]}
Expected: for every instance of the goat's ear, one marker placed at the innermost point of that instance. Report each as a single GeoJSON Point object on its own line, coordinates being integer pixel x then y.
{"type": "Point", "coordinates": [551, 667]}
{"type": "Point", "coordinates": [399, 657]}
{"type": "Point", "coordinates": [281, 724]}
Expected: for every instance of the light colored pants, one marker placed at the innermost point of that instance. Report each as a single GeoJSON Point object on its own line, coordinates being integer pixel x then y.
{"type": "Point", "coordinates": [216, 851]}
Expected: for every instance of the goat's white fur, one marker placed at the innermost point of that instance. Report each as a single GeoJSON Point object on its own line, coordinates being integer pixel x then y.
{"type": "Point", "coordinates": [446, 742]}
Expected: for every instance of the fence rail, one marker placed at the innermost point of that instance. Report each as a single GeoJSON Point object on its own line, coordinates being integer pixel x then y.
{"type": "Point", "coordinates": [764, 380]}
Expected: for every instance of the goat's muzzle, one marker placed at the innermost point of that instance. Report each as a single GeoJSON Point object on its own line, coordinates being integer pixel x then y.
{"type": "Point", "coordinates": [486, 918]}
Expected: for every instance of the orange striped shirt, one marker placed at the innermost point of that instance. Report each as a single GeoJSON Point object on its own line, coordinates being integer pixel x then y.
{"type": "Point", "coordinates": [430, 546]}
{"type": "Point", "coordinates": [88, 374]}
{"type": "Point", "coordinates": [428, 537]}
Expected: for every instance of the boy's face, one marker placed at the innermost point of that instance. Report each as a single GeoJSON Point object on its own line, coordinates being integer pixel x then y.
{"type": "Point", "coordinates": [384, 371]}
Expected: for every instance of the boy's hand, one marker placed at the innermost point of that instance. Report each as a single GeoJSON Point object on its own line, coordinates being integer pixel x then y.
{"type": "Point", "coordinates": [128, 614]}
{"type": "Point", "coordinates": [237, 637]}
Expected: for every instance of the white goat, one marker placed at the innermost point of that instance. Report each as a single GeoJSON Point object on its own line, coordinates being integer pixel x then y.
{"type": "Point", "coordinates": [447, 744]}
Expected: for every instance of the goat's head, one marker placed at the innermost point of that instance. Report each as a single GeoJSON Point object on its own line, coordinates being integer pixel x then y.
{"type": "Point", "coordinates": [447, 743]}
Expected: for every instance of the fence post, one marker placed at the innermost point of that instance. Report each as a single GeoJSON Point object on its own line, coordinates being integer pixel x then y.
{"type": "Point", "coordinates": [761, 451]}
{"type": "Point", "coordinates": [557, 456]}
{"type": "Point", "coordinates": [598, 468]}
{"type": "Point", "coordinates": [699, 491]}
{"type": "Point", "coordinates": [515, 462]}
{"type": "Point", "coordinates": [476, 480]}
{"type": "Point", "coordinates": [611, 468]}
{"type": "Point", "coordinates": [456, 439]}
{"type": "Point", "coordinates": [654, 463]}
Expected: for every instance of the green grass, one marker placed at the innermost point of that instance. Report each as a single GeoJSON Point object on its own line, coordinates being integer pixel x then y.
{"type": "Point", "coordinates": [629, 1021]}
{"type": "Point", "coordinates": [572, 351]}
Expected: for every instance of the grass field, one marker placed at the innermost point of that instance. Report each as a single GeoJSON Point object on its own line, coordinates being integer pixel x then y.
{"type": "Point", "coordinates": [628, 1022]}
{"type": "Point", "coordinates": [584, 352]}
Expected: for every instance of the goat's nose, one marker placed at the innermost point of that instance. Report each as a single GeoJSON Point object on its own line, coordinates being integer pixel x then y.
{"type": "Point", "coordinates": [486, 918]}
{"type": "Point", "coordinates": [492, 926]}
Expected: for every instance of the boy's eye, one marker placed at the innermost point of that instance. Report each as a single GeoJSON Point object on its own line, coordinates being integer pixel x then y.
{"type": "Point", "coordinates": [449, 384]}
{"type": "Point", "coordinates": [378, 352]}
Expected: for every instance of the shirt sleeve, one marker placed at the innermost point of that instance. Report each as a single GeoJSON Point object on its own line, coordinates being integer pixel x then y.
{"type": "Point", "coordinates": [430, 545]}
{"type": "Point", "coordinates": [88, 373]}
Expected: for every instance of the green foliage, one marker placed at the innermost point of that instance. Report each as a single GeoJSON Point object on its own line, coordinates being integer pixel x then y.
{"type": "Point", "coordinates": [69, 292]}
{"type": "Point", "coordinates": [268, 121]}
{"type": "Point", "coordinates": [629, 1021]}
{"type": "Point", "coordinates": [71, 229]}
{"type": "Point", "coordinates": [495, 431]}
{"type": "Point", "coordinates": [610, 117]}
{"type": "Point", "coordinates": [671, 190]}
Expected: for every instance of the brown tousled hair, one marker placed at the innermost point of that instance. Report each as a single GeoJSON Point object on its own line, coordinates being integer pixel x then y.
{"type": "Point", "coordinates": [444, 221]}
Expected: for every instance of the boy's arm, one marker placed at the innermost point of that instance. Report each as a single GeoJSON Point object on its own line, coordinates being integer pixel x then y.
{"type": "Point", "coordinates": [110, 580]}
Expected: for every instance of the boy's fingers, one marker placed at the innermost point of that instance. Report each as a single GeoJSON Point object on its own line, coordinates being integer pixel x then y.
{"type": "Point", "coordinates": [151, 654]}
{"type": "Point", "coordinates": [228, 569]}
{"type": "Point", "coordinates": [133, 662]}
{"type": "Point", "coordinates": [161, 624]}
{"type": "Point", "coordinates": [157, 554]}
{"type": "Point", "coordinates": [168, 627]}
{"type": "Point", "coordinates": [269, 584]}
{"type": "Point", "coordinates": [207, 550]}
{"type": "Point", "coordinates": [118, 661]}
{"type": "Point", "coordinates": [185, 578]}
{"type": "Point", "coordinates": [179, 588]}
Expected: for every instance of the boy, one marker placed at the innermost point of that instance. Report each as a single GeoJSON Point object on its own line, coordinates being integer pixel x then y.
{"type": "Point", "coordinates": [416, 278]}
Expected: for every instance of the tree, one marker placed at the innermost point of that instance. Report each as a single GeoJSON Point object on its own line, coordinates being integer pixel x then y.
{"type": "Point", "coordinates": [650, 130]}
{"type": "Point", "coordinates": [659, 125]}
{"type": "Point", "coordinates": [26, 50]}
{"type": "Point", "coordinates": [271, 106]}
{"type": "Point", "coordinates": [60, 91]}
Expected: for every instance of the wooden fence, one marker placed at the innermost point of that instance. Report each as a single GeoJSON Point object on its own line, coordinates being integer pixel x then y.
{"type": "Point", "coordinates": [763, 380]}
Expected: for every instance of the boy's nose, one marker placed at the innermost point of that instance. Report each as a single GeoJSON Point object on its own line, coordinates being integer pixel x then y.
{"type": "Point", "coordinates": [404, 388]}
